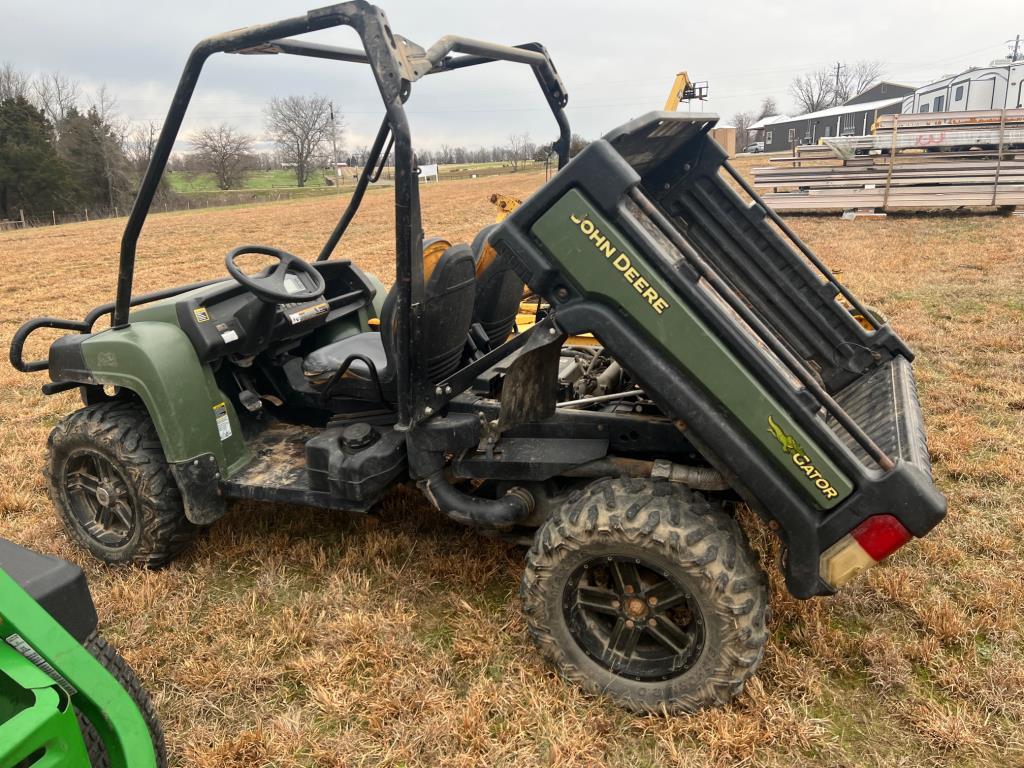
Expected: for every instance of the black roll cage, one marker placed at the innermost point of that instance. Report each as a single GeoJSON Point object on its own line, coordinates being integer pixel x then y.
{"type": "Point", "coordinates": [396, 64]}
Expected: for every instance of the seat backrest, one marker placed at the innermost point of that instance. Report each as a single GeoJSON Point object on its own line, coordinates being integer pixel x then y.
{"type": "Point", "coordinates": [499, 289]}
{"type": "Point", "coordinates": [447, 312]}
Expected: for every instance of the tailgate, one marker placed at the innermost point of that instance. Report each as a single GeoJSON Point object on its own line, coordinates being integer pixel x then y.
{"type": "Point", "coordinates": [885, 405]}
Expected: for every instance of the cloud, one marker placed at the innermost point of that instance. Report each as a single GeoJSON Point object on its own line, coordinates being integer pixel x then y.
{"type": "Point", "coordinates": [617, 60]}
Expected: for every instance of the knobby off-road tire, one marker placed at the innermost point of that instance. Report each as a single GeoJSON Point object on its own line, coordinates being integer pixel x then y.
{"type": "Point", "coordinates": [112, 661]}
{"type": "Point", "coordinates": [112, 488]}
{"type": "Point", "coordinates": [677, 545]}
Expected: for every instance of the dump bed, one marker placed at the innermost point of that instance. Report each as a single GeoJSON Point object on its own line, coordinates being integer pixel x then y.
{"type": "Point", "coordinates": [775, 371]}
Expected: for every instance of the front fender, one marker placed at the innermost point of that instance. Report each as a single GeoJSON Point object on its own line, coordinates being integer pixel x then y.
{"type": "Point", "coordinates": [157, 362]}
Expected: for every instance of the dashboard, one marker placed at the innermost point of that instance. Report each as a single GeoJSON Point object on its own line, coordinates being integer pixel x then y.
{"type": "Point", "coordinates": [227, 319]}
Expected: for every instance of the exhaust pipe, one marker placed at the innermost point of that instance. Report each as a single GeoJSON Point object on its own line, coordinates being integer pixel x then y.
{"type": "Point", "coordinates": [701, 478]}
{"type": "Point", "coordinates": [515, 506]}
{"type": "Point", "coordinates": [698, 478]}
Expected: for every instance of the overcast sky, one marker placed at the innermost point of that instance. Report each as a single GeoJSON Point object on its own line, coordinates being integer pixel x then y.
{"type": "Point", "coordinates": [616, 59]}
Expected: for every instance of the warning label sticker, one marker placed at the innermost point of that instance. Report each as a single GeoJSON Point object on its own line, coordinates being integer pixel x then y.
{"type": "Point", "coordinates": [305, 314]}
{"type": "Point", "coordinates": [202, 314]}
{"type": "Point", "coordinates": [220, 411]}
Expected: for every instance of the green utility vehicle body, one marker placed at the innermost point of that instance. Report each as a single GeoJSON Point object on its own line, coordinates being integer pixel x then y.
{"type": "Point", "coordinates": [738, 331]}
{"type": "Point", "coordinates": [46, 614]}
{"type": "Point", "coordinates": [730, 365]}
{"type": "Point", "coordinates": [600, 262]}
{"type": "Point", "coordinates": [155, 360]}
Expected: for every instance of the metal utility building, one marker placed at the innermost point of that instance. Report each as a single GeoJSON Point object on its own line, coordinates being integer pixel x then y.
{"type": "Point", "coordinates": [999, 86]}
{"type": "Point", "coordinates": [762, 129]}
{"type": "Point", "coordinates": [853, 118]}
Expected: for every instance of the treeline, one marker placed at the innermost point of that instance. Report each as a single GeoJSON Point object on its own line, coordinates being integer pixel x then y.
{"type": "Point", "coordinates": [519, 148]}
{"type": "Point", "coordinates": [229, 154]}
{"type": "Point", "coordinates": [63, 150]}
{"type": "Point", "coordinates": [60, 149]}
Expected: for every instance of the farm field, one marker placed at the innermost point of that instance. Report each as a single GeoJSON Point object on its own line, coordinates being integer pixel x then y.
{"type": "Point", "coordinates": [188, 182]}
{"type": "Point", "coordinates": [292, 637]}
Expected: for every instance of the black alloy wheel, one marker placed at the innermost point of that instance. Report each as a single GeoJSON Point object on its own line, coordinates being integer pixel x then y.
{"type": "Point", "coordinates": [633, 618]}
{"type": "Point", "coordinates": [99, 498]}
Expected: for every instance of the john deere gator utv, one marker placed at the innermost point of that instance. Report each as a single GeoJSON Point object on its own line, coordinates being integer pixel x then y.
{"type": "Point", "coordinates": [731, 366]}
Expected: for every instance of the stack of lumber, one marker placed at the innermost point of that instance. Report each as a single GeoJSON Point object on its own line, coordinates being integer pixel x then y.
{"type": "Point", "coordinates": [947, 131]}
{"type": "Point", "coordinates": [923, 182]}
{"type": "Point", "coordinates": [921, 161]}
{"type": "Point", "coordinates": [975, 117]}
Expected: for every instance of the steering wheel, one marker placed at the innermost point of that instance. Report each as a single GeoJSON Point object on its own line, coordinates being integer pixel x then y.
{"type": "Point", "coordinates": [272, 287]}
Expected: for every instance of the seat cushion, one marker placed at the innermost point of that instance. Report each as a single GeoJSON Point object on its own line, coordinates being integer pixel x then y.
{"type": "Point", "coordinates": [321, 364]}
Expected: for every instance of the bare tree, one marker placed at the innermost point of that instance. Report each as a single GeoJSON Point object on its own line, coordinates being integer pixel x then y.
{"type": "Point", "coordinates": [742, 122]}
{"type": "Point", "coordinates": [833, 85]}
{"type": "Point", "coordinates": [301, 127]}
{"type": "Point", "coordinates": [224, 151]}
{"type": "Point", "coordinates": [768, 108]}
{"type": "Point", "coordinates": [519, 148]}
{"type": "Point", "coordinates": [577, 144]}
{"type": "Point", "coordinates": [13, 84]}
{"type": "Point", "coordinates": [140, 143]}
{"type": "Point", "coordinates": [814, 90]}
{"type": "Point", "coordinates": [110, 137]}
{"type": "Point", "coordinates": [57, 94]}
{"type": "Point", "coordinates": [858, 78]}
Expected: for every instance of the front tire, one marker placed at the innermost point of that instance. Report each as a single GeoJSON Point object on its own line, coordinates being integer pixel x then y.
{"type": "Point", "coordinates": [648, 593]}
{"type": "Point", "coordinates": [112, 488]}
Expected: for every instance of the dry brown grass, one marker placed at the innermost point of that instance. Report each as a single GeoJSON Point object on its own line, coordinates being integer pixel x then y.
{"type": "Point", "coordinates": [291, 637]}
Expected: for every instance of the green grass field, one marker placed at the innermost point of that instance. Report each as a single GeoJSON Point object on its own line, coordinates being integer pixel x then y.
{"type": "Point", "coordinates": [191, 182]}
{"type": "Point", "coordinates": [296, 638]}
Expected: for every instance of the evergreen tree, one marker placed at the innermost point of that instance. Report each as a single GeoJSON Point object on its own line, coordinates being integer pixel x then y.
{"type": "Point", "coordinates": [99, 171]}
{"type": "Point", "coordinates": [32, 176]}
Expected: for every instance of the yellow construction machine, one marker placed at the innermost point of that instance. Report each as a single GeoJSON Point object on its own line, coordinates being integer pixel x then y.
{"type": "Point", "coordinates": [685, 89]}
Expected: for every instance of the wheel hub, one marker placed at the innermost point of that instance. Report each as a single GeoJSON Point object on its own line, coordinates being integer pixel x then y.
{"type": "Point", "coordinates": [633, 618]}
{"type": "Point", "coordinates": [103, 496]}
{"type": "Point", "coordinates": [636, 608]}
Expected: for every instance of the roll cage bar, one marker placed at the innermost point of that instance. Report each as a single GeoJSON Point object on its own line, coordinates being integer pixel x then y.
{"type": "Point", "coordinates": [396, 64]}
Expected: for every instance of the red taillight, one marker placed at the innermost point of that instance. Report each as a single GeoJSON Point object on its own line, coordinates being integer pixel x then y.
{"type": "Point", "coordinates": [871, 541]}
{"type": "Point", "coordinates": [880, 536]}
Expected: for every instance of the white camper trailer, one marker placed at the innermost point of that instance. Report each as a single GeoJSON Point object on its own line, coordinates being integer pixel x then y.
{"type": "Point", "coordinates": [998, 86]}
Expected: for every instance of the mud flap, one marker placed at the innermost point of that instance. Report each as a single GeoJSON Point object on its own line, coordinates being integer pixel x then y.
{"type": "Point", "coordinates": [530, 389]}
{"type": "Point", "coordinates": [199, 483]}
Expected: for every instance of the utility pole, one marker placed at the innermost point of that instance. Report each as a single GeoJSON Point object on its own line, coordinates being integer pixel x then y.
{"type": "Point", "coordinates": [334, 144]}
{"type": "Point", "coordinates": [835, 92]}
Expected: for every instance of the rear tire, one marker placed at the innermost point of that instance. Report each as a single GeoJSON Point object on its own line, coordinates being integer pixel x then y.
{"type": "Point", "coordinates": [112, 661]}
{"type": "Point", "coordinates": [112, 488]}
{"type": "Point", "coordinates": [594, 578]}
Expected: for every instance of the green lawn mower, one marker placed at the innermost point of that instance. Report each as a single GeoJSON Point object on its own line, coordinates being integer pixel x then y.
{"type": "Point", "coordinates": [67, 698]}
{"type": "Point", "coordinates": [730, 366]}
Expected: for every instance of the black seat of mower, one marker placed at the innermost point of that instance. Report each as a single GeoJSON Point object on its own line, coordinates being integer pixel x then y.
{"type": "Point", "coordinates": [362, 366]}
{"type": "Point", "coordinates": [499, 289]}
